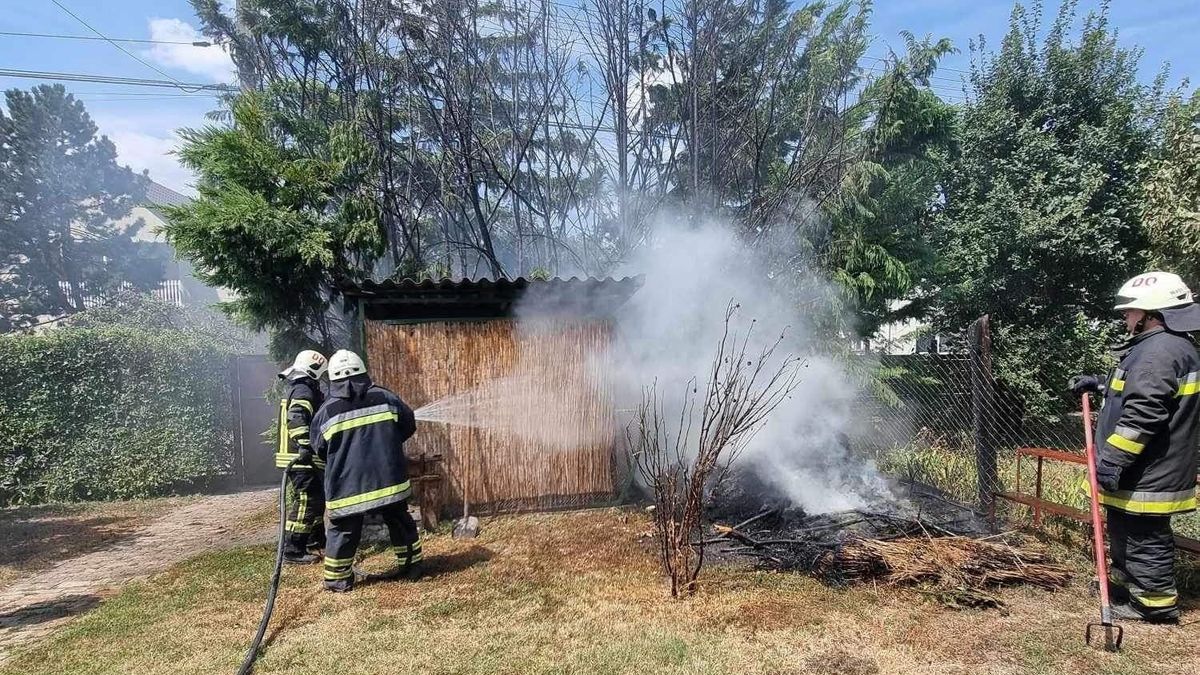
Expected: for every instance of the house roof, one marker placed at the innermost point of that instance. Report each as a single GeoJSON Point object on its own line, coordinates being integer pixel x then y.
{"type": "Point", "coordinates": [161, 195]}
{"type": "Point", "coordinates": [431, 299]}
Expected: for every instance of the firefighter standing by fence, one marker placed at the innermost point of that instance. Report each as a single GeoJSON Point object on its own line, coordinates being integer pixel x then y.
{"type": "Point", "coordinates": [305, 496]}
{"type": "Point", "coordinates": [359, 433]}
{"type": "Point", "coordinates": [1147, 436]}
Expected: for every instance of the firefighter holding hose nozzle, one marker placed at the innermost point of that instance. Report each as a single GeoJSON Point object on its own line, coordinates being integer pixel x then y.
{"type": "Point", "coordinates": [359, 434]}
{"type": "Point", "coordinates": [305, 494]}
{"type": "Point", "coordinates": [1147, 435]}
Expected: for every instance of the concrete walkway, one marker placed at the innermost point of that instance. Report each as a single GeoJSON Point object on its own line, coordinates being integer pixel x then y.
{"type": "Point", "coordinates": [33, 607]}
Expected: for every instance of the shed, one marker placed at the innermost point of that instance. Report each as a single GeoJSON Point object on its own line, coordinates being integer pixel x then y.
{"type": "Point", "coordinates": [528, 421]}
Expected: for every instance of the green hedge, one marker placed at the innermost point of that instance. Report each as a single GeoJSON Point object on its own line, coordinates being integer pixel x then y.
{"type": "Point", "coordinates": [111, 413]}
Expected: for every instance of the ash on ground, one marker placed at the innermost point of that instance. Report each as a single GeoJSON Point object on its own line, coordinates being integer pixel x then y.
{"type": "Point", "coordinates": [748, 521]}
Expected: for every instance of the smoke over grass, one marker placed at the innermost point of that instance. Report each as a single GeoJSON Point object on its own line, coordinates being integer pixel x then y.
{"type": "Point", "coordinates": [669, 331]}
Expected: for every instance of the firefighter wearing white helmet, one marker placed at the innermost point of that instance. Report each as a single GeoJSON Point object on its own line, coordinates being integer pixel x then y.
{"type": "Point", "coordinates": [1147, 435]}
{"type": "Point", "coordinates": [305, 495]}
{"type": "Point", "coordinates": [359, 434]}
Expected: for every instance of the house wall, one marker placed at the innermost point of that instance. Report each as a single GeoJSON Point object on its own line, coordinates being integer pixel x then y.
{"type": "Point", "coordinates": [533, 429]}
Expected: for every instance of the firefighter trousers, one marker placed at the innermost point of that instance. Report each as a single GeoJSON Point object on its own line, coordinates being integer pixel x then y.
{"type": "Point", "coordinates": [345, 534]}
{"type": "Point", "coordinates": [305, 502]}
{"type": "Point", "coordinates": [1142, 549]}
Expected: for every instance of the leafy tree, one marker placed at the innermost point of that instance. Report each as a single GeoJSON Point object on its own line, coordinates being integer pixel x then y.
{"type": "Point", "coordinates": [1041, 222]}
{"type": "Point", "coordinates": [879, 250]}
{"type": "Point", "coordinates": [1172, 206]}
{"type": "Point", "coordinates": [62, 194]}
{"type": "Point", "coordinates": [281, 215]}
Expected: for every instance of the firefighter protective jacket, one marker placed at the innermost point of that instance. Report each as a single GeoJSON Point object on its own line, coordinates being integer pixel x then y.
{"type": "Point", "coordinates": [296, 408]}
{"type": "Point", "coordinates": [359, 433]}
{"type": "Point", "coordinates": [1148, 424]}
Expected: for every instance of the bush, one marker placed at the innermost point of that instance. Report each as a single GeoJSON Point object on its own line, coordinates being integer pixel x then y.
{"type": "Point", "coordinates": [111, 413]}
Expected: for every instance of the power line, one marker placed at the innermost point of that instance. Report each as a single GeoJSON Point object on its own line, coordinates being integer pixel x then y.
{"type": "Point", "coordinates": [58, 36]}
{"type": "Point", "coordinates": [118, 46]}
{"type": "Point", "coordinates": [108, 79]}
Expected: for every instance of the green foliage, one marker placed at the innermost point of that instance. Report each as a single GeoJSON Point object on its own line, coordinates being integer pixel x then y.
{"type": "Point", "coordinates": [1172, 206]}
{"type": "Point", "coordinates": [1041, 222]}
{"type": "Point", "coordinates": [283, 212]}
{"type": "Point", "coordinates": [110, 413]}
{"type": "Point", "coordinates": [61, 193]}
{"type": "Point", "coordinates": [879, 250]}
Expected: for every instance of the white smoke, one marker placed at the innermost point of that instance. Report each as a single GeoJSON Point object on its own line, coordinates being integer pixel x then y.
{"type": "Point", "coordinates": [669, 331]}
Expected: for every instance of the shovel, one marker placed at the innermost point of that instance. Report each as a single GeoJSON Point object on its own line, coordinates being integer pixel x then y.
{"type": "Point", "coordinates": [466, 527]}
{"type": "Point", "coordinates": [1113, 634]}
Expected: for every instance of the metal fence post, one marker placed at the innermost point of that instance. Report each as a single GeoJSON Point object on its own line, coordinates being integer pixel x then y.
{"type": "Point", "coordinates": [982, 404]}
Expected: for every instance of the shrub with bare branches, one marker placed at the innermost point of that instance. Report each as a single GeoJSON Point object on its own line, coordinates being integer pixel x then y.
{"type": "Point", "coordinates": [681, 458]}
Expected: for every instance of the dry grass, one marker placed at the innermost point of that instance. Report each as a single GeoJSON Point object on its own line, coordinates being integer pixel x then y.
{"type": "Point", "coordinates": [960, 571]}
{"type": "Point", "coordinates": [55, 532]}
{"type": "Point", "coordinates": [579, 593]}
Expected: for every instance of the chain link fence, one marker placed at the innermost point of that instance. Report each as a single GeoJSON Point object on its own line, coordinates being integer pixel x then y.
{"type": "Point", "coordinates": [947, 421]}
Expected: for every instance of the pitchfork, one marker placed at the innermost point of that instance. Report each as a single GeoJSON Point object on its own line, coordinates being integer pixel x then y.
{"type": "Point", "coordinates": [1113, 633]}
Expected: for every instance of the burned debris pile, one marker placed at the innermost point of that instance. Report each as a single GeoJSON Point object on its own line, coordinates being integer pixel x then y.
{"type": "Point", "coordinates": [918, 539]}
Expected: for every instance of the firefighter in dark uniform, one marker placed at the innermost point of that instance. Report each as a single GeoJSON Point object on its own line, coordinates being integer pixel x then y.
{"type": "Point", "coordinates": [359, 434]}
{"type": "Point", "coordinates": [1146, 438]}
{"type": "Point", "coordinates": [305, 495]}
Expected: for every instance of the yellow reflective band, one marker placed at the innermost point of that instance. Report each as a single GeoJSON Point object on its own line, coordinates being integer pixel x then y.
{"type": "Point", "coordinates": [283, 441]}
{"type": "Point", "coordinates": [368, 496]}
{"type": "Point", "coordinates": [1117, 385]}
{"type": "Point", "coordinates": [360, 422]}
{"type": "Point", "coordinates": [1155, 599]}
{"type": "Point", "coordinates": [339, 562]}
{"type": "Point", "coordinates": [1189, 388]}
{"type": "Point", "coordinates": [303, 441]}
{"type": "Point", "coordinates": [1132, 447]}
{"type": "Point", "coordinates": [298, 527]}
{"type": "Point", "coordinates": [307, 405]}
{"type": "Point", "coordinates": [337, 576]}
{"type": "Point", "coordinates": [1131, 505]}
{"type": "Point", "coordinates": [298, 431]}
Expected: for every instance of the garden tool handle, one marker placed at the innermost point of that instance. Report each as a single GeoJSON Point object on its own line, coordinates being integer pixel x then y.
{"type": "Point", "coordinates": [1112, 633]}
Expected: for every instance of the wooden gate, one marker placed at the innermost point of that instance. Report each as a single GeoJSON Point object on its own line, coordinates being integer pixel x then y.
{"type": "Point", "coordinates": [255, 409]}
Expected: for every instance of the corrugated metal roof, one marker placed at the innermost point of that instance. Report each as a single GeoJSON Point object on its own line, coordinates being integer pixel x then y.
{"type": "Point", "coordinates": [392, 287]}
{"type": "Point", "coordinates": [434, 299]}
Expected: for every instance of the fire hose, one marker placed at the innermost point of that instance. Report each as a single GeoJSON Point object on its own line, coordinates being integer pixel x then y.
{"type": "Point", "coordinates": [252, 653]}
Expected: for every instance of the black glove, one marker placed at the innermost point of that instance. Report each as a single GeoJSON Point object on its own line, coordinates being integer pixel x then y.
{"type": "Point", "coordinates": [1084, 383]}
{"type": "Point", "coordinates": [1108, 476]}
{"type": "Point", "coordinates": [305, 456]}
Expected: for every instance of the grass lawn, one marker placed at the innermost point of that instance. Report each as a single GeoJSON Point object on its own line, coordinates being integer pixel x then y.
{"type": "Point", "coordinates": [56, 532]}
{"type": "Point", "coordinates": [580, 593]}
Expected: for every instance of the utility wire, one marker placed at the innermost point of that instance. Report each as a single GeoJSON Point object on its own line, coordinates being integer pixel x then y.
{"type": "Point", "coordinates": [59, 36]}
{"type": "Point", "coordinates": [118, 46]}
{"type": "Point", "coordinates": [109, 79]}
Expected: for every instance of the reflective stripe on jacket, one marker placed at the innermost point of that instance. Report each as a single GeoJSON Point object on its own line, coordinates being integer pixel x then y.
{"type": "Point", "coordinates": [296, 410]}
{"type": "Point", "coordinates": [1149, 422]}
{"type": "Point", "coordinates": [359, 432]}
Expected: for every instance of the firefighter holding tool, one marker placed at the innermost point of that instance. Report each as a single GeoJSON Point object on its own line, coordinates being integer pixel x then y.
{"type": "Point", "coordinates": [1146, 438]}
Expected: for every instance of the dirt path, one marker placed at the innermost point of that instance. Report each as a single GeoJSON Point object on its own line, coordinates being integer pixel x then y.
{"type": "Point", "coordinates": [32, 607]}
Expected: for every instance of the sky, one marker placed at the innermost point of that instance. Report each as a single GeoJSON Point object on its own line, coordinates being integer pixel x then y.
{"type": "Point", "coordinates": [143, 122]}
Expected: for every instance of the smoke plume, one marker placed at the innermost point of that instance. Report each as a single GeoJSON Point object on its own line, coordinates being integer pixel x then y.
{"type": "Point", "coordinates": [670, 329]}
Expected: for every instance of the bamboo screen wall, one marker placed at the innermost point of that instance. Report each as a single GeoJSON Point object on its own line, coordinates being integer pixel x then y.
{"type": "Point", "coordinates": [548, 444]}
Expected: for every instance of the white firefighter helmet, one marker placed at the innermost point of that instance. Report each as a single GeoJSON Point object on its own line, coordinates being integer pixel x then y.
{"type": "Point", "coordinates": [1164, 293]}
{"type": "Point", "coordinates": [345, 363]}
{"type": "Point", "coordinates": [1153, 291]}
{"type": "Point", "coordinates": [309, 362]}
